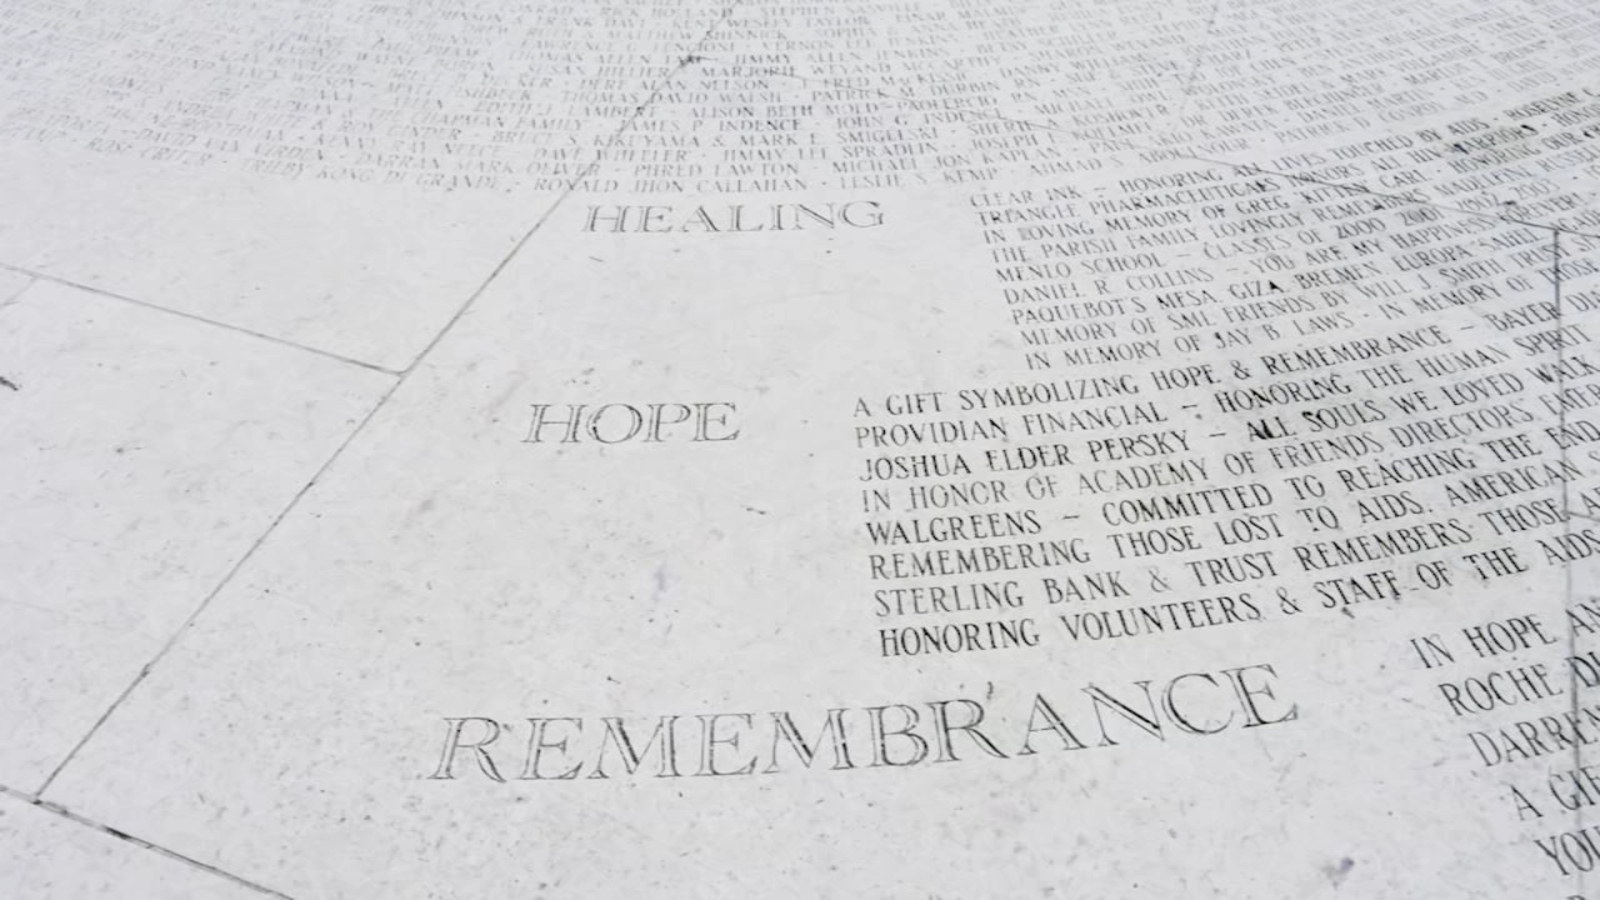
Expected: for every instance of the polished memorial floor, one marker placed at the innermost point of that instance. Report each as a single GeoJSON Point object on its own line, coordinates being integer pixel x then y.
{"type": "Point", "coordinates": [855, 449]}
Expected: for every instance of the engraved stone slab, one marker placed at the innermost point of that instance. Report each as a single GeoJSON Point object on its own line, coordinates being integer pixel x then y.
{"type": "Point", "coordinates": [854, 574]}
{"type": "Point", "coordinates": [938, 449]}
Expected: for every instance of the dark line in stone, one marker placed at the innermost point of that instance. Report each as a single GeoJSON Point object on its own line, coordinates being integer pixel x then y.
{"type": "Point", "coordinates": [167, 310]}
{"type": "Point", "coordinates": [118, 834]}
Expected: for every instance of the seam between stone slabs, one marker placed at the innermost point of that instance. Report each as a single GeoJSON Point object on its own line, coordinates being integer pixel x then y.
{"type": "Point", "coordinates": [138, 842]}
{"type": "Point", "coordinates": [156, 307]}
{"type": "Point", "coordinates": [691, 57]}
